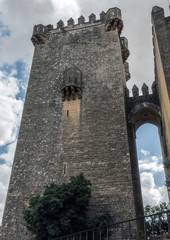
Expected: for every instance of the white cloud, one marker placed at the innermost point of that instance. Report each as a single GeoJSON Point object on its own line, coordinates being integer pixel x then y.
{"type": "Point", "coordinates": [151, 194]}
{"type": "Point", "coordinates": [151, 163]}
{"type": "Point", "coordinates": [156, 159]}
{"type": "Point", "coordinates": [8, 84]}
{"type": "Point", "coordinates": [4, 175]}
{"type": "Point", "coordinates": [21, 16]}
{"type": "Point", "coordinates": [9, 155]}
{"type": "Point", "coordinates": [4, 181]}
{"type": "Point", "coordinates": [10, 108]}
{"type": "Point", "coordinates": [150, 166]}
{"type": "Point", "coordinates": [66, 9]}
{"type": "Point", "coordinates": [145, 152]}
{"type": "Point", "coordinates": [1, 211]}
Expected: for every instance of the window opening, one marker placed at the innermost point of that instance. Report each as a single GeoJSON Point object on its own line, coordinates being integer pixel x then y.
{"type": "Point", "coordinates": [64, 168]}
{"type": "Point", "coordinates": [152, 174]}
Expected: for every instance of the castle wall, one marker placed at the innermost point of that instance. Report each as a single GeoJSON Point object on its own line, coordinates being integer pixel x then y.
{"type": "Point", "coordinates": [59, 139]}
{"type": "Point", "coordinates": [163, 94]}
{"type": "Point", "coordinates": [161, 36]}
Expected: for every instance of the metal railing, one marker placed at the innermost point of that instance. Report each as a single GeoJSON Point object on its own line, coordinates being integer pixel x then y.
{"type": "Point", "coordinates": [151, 227]}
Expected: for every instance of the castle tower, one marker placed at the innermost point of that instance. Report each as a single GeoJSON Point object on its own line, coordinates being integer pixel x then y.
{"type": "Point", "coordinates": [78, 117]}
{"type": "Point", "coordinates": [161, 42]}
{"type": "Point", "coordinates": [74, 118]}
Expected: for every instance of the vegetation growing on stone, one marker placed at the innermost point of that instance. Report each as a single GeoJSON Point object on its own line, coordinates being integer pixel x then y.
{"type": "Point", "coordinates": [62, 209]}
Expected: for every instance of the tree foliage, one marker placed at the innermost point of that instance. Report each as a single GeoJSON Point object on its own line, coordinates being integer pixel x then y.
{"type": "Point", "coordinates": [62, 210]}
{"type": "Point", "coordinates": [157, 224]}
{"type": "Point", "coordinates": [163, 207]}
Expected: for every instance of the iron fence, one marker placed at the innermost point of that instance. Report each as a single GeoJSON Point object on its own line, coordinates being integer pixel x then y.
{"type": "Point", "coordinates": [151, 227]}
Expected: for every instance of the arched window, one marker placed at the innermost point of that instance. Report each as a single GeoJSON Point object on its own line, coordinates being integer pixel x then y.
{"type": "Point", "coordinates": [141, 114]}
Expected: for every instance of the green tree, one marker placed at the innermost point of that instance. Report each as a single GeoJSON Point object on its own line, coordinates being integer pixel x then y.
{"type": "Point", "coordinates": [61, 210]}
{"type": "Point", "coordinates": [157, 223]}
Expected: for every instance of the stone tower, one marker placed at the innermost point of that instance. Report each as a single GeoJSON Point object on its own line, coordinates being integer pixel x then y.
{"type": "Point", "coordinates": [161, 41]}
{"type": "Point", "coordinates": [78, 117]}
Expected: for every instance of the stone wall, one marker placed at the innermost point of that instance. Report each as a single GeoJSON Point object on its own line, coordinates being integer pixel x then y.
{"type": "Point", "coordinates": [63, 133]}
{"type": "Point", "coordinates": [78, 116]}
{"type": "Point", "coordinates": [161, 36]}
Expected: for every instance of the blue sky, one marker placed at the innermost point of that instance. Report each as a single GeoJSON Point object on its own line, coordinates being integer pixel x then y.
{"type": "Point", "coordinates": [17, 19]}
{"type": "Point", "coordinates": [150, 165]}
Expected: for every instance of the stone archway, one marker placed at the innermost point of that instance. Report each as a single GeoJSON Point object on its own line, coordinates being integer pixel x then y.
{"type": "Point", "coordinates": [140, 114]}
{"type": "Point", "coordinates": [150, 161]}
{"type": "Point", "coordinates": [145, 113]}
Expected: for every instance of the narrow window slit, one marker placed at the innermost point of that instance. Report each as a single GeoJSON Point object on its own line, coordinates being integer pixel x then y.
{"type": "Point", "coordinates": [67, 113]}
{"type": "Point", "coordinates": [64, 168]}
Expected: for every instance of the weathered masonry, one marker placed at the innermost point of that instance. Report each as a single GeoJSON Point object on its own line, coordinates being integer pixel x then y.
{"type": "Point", "coordinates": [161, 41]}
{"type": "Point", "coordinates": [78, 116]}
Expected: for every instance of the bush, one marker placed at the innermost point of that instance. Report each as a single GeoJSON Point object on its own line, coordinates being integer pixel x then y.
{"type": "Point", "coordinates": [61, 210]}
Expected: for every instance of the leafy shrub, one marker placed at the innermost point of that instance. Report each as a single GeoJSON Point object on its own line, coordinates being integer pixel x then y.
{"type": "Point", "coordinates": [62, 210]}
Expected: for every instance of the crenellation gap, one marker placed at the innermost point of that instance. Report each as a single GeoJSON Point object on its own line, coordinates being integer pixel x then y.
{"type": "Point", "coordinates": [111, 14]}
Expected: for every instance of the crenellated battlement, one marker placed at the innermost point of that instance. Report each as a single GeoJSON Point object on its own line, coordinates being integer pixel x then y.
{"type": "Point", "coordinates": [144, 108]}
{"type": "Point", "coordinates": [41, 29]}
{"type": "Point", "coordinates": [112, 20]}
{"type": "Point", "coordinates": [39, 33]}
{"type": "Point", "coordinates": [145, 91]}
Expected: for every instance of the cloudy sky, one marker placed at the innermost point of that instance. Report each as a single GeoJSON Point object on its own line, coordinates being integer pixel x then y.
{"type": "Point", "coordinates": [17, 19]}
